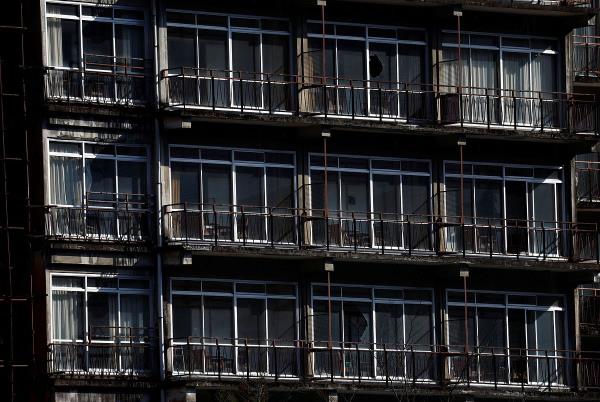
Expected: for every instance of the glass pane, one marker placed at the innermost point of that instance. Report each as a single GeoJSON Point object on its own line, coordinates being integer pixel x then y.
{"type": "Point", "coordinates": [66, 175]}
{"type": "Point", "coordinates": [418, 325]}
{"type": "Point", "coordinates": [181, 46]}
{"type": "Point", "coordinates": [216, 185]}
{"type": "Point", "coordinates": [280, 188]}
{"type": "Point", "coordinates": [249, 186]}
{"type": "Point", "coordinates": [218, 317]}
{"type": "Point", "coordinates": [102, 315]}
{"type": "Point", "coordinates": [63, 42]}
{"type": "Point", "coordinates": [351, 60]}
{"type": "Point", "coordinates": [488, 199]}
{"type": "Point", "coordinates": [129, 44]}
{"type": "Point", "coordinates": [321, 321]}
{"type": "Point", "coordinates": [100, 178]}
{"type": "Point", "coordinates": [276, 57]}
{"type": "Point", "coordinates": [386, 194]}
{"type": "Point", "coordinates": [282, 321]}
{"type": "Point", "coordinates": [251, 320]}
{"type": "Point", "coordinates": [246, 52]}
{"type": "Point", "coordinates": [389, 329]}
{"type": "Point", "coordinates": [132, 177]}
{"type": "Point", "coordinates": [187, 317]}
{"type": "Point", "coordinates": [357, 322]}
{"type": "Point", "coordinates": [212, 50]}
{"type": "Point", "coordinates": [355, 192]}
{"type": "Point", "coordinates": [185, 183]}
{"type": "Point", "coordinates": [411, 65]}
{"type": "Point", "coordinates": [67, 315]}
{"type": "Point", "coordinates": [415, 195]}
{"type": "Point", "coordinates": [382, 63]}
{"type": "Point", "coordinates": [545, 331]}
{"type": "Point", "coordinates": [491, 328]}
{"type": "Point", "coordinates": [97, 43]}
{"type": "Point", "coordinates": [317, 191]}
{"type": "Point", "coordinates": [134, 316]}
{"type": "Point", "coordinates": [456, 327]}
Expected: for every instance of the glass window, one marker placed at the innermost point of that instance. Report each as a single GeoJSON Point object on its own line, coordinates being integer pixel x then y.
{"type": "Point", "coordinates": [390, 325]}
{"type": "Point", "coordinates": [218, 317]}
{"type": "Point", "coordinates": [185, 182]}
{"type": "Point", "coordinates": [68, 321]}
{"type": "Point", "coordinates": [63, 43]}
{"type": "Point", "coordinates": [181, 43]}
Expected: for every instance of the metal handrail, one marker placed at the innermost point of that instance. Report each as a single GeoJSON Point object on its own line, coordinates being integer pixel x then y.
{"type": "Point", "coordinates": [242, 225]}
{"type": "Point", "coordinates": [418, 103]}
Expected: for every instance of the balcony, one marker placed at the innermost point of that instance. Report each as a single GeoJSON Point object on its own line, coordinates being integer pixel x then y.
{"type": "Point", "coordinates": [102, 80]}
{"type": "Point", "coordinates": [105, 217]}
{"type": "Point", "coordinates": [588, 182]}
{"type": "Point", "coordinates": [242, 226]}
{"type": "Point", "coordinates": [586, 57]}
{"type": "Point", "coordinates": [377, 101]}
{"type": "Point", "coordinates": [589, 311]}
{"type": "Point", "coordinates": [389, 364]}
{"type": "Point", "coordinates": [112, 352]}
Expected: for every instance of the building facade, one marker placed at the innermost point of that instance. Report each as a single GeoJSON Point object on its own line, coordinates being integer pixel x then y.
{"type": "Point", "coordinates": [302, 200]}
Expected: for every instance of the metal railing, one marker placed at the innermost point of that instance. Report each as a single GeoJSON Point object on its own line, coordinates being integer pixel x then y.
{"type": "Point", "coordinates": [589, 310]}
{"type": "Point", "coordinates": [586, 56]}
{"type": "Point", "coordinates": [103, 217]}
{"type": "Point", "coordinates": [242, 92]}
{"type": "Point", "coordinates": [588, 181]}
{"type": "Point", "coordinates": [545, 370]}
{"type": "Point", "coordinates": [109, 352]}
{"type": "Point", "coordinates": [226, 225]}
{"type": "Point", "coordinates": [101, 79]}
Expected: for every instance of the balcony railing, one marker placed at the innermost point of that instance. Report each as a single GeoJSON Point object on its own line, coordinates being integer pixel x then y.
{"type": "Point", "coordinates": [586, 56]}
{"type": "Point", "coordinates": [420, 104]}
{"type": "Point", "coordinates": [117, 352]}
{"type": "Point", "coordinates": [545, 370]}
{"type": "Point", "coordinates": [104, 217]}
{"type": "Point", "coordinates": [588, 181]}
{"type": "Point", "coordinates": [589, 311]}
{"type": "Point", "coordinates": [101, 80]}
{"type": "Point", "coordinates": [244, 226]}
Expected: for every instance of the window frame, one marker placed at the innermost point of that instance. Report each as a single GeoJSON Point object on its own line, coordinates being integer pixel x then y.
{"type": "Point", "coordinates": [81, 18]}
{"type": "Point", "coordinates": [89, 289]}
{"type": "Point", "coordinates": [116, 157]}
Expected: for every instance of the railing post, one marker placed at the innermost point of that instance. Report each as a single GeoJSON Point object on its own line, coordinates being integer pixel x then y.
{"type": "Point", "coordinates": [406, 96]}
{"type": "Point", "coordinates": [241, 94]}
{"type": "Point", "coordinates": [380, 95]}
{"type": "Point", "coordinates": [463, 240]}
{"type": "Point", "coordinates": [185, 222]}
{"type": "Point", "coordinates": [487, 106]}
{"type": "Point", "coordinates": [354, 232]}
{"type": "Point", "coordinates": [352, 99]}
{"type": "Point", "coordinates": [216, 226]}
{"type": "Point", "coordinates": [271, 229]}
{"type": "Point", "coordinates": [327, 230]}
{"type": "Point", "coordinates": [275, 360]}
{"type": "Point", "coordinates": [495, 369]}
{"type": "Point", "coordinates": [413, 365]}
{"type": "Point", "coordinates": [381, 226]}
{"type": "Point", "coordinates": [409, 230]}
{"type": "Point", "coordinates": [297, 97]}
{"type": "Point", "coordinates": [386, 366]}
{"type": "Point", "coordinates": [212, 90]}
{"type": "Point", "coordinates": [219, 358]}
{"type": "Point", "coordinates": [243, 225]}
{"type": "Point", "coordinates": [358, 362]}
{"type": "Point", "coordinates": [247, 359]}
{"type": "Point", "coordinates": [548, 371]}
{"type": "Point", "coordinates": [330, 347]}
{"type": "Point", "coordinates": [269, 99]}
{"type": "Point", "coordinates": [514, 109]}
{"type": "Point", "coordinates": [490, 237]}
{"type": "Point", "coordinates": [189, 357]}
{"type": "Point", "coordinates": [541, 112]}
{"type": "Point", "coordinates": [544, 240]}
{"type": "Point", "coordinates": [325, 108]}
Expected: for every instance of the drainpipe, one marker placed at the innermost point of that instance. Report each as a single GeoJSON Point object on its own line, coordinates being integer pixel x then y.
{"type": "Point", "coordinates": [158, 207]}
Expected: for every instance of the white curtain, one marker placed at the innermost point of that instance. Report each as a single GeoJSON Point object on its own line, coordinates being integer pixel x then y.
{"type": "Point", "coordinates": [484, 74]}
{"type": "Point", "coordinates": [67, 315]}
{"type": "Point", "coordinates": [134, 314]}
{"type": "Point", "coordinates": [55, 49]}
{"type": "Point", "coordinates": [410, 59]}
{"type": "Point", "coordinates": [65, 180]}
{"type": "Point", "coordinates": [516, 78]}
